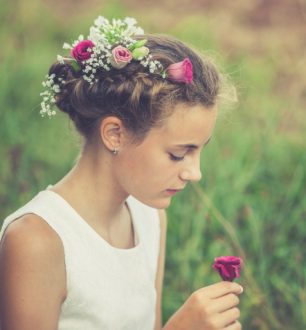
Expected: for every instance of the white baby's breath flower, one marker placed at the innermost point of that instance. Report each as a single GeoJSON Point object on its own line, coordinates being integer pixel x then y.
{"type": "Point", "coordinates": [130, 21]}
{"type": "Point", "coordinates": [100, 21]}
{"type": "Point", "coordinates": [67, 46]}
{"type": "Point", "coordinates": [60, 59]}
{"type": "Point", "coordinates": [56, 88]}
{"type": "Point", "coordinates": [49, 95]}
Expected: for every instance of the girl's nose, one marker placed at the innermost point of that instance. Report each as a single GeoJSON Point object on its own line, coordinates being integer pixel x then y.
{"type": "Point", "coordinates": [192, 172]}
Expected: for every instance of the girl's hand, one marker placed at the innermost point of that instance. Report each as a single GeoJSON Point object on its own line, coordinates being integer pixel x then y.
{"type": "Point", "coordinates": [210, 308]}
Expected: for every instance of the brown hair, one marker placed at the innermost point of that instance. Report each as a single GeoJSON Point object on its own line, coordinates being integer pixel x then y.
{"type": "Point", "coordinates": [139, 98]}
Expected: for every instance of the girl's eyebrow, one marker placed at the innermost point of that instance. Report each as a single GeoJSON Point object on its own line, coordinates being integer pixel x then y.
{"type": "Point", "coordinates": [192, 146]}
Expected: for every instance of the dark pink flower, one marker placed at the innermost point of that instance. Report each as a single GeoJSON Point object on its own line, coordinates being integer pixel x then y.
{"type": "Point", "coordinates": [83, 50]}
{"type": "Point", "coordinates": [228, 267]}
{"type": "Point", "coordinates": [121, 57]}
{"type": "Point", "coordinates": [181, 71]}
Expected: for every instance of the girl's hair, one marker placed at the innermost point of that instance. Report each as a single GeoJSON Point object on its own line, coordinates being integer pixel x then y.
{"type": "Point", "coordinates": [139, 98]}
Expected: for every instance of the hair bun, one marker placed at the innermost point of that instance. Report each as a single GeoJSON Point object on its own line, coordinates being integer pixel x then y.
{"type": "Point", "coordinates": [64, 71]}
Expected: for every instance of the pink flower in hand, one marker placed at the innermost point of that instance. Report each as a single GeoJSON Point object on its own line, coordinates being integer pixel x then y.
{"type": "Point", "coordinates": [228, 267]}
{"type": "Point", "coordinates": [181, 71]}
{"type": "Point", "coordinates": [121, 57]}
{"type": "Point", "coordinates": [82, 51]}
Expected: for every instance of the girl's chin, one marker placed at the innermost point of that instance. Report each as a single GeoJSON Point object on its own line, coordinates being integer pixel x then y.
{"type": "Point", "coordinates": [162, 203]}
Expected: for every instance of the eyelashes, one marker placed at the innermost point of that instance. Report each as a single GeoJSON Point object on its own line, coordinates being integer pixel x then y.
{"type": "Point", "coordinates": [176, 158]}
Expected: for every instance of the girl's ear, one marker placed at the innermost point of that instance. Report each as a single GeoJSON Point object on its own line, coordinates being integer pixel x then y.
{"type": "Point", "coordinates": [112, 132]}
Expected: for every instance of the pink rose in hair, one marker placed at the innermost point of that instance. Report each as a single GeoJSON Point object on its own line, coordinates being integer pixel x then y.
{"type": "Point", "coordinates": [121, 57]}
{"type": "Point", "coordinates": [181, 71]}
{"type": "Point", "coordinates": [82, 51]}
{"type": "Point", "coordinates": [228, 267]}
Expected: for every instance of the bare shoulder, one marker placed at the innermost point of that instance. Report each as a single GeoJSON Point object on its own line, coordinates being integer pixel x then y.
{"type": "Point", "coordinates": [30, 246]}
{"type": "Point", "coordinates": [31, 235]}
{"type": "Point", "coordinates": [32, 275]}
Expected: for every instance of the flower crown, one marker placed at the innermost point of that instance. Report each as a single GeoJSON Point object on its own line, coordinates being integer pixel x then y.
{"type": "Point", "coordinates": [110, 45]}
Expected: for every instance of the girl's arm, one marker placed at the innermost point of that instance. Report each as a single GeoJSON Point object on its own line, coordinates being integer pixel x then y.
{"type": "Point", "coordinates": [32, 276]}
{"type": "Point", "coordinates": [160, 270]}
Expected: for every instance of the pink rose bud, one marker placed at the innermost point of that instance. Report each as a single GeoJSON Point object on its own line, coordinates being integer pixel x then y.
{"type": "Point", "coordinates": [83, 50]}
{"type": "Point", "coordinates": [228, 267]}
{"type": "Point", "coordinates": [180, 72]}
{"type": "Point", "coordinates": [121, 57]}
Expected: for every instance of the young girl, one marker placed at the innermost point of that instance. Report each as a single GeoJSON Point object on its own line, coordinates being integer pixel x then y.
{"type": "Point", "coordinates": [88, 252]}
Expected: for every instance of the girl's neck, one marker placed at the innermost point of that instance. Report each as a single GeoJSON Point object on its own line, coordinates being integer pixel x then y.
{"type": "Point", "coordinates": [92, 189]}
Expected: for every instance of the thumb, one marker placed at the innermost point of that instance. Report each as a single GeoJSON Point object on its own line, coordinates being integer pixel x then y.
{"type": "Point", "coordinates": [238, 289]}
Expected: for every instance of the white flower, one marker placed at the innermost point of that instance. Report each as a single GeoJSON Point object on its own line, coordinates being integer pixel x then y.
{"type": "Point", "coordinates": [100, 21]}
{"type": "Point", "coordinates": [67, 46]}
{"type": "Point", "coordinates": [130, 21]}
{"type": "Point", "coordinates": [60, 59]}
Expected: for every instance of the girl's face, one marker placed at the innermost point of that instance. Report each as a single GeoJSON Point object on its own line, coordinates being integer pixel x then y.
{"type": "Point", "coordinates": [168, 158]}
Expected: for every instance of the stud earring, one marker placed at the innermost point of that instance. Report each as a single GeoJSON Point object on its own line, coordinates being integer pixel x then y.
{"type": "Point", "coordinates": [115, 151]}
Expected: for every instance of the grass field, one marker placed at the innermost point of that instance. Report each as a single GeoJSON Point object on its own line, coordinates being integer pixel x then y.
{"type": "Point", "coordinates": [251, 201]}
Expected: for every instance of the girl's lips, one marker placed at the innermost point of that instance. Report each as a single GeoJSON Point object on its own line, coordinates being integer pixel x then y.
{"type": "Point", "coordinates": [173, 191]}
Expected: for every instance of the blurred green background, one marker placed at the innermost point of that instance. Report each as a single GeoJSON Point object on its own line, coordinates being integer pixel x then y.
{"type": "Point", "coordinates": [251, 201]}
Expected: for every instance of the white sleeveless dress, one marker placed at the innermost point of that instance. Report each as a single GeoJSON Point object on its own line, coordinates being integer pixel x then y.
{"type": "Point", "coordinates": [108, 288]}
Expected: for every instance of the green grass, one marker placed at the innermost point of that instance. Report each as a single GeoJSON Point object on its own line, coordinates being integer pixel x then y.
{"type": "Point", "coordinates": [250, 202]}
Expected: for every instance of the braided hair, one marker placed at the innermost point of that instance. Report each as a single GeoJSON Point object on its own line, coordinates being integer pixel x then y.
{"type": "Point", "coordinates": [139, 98]}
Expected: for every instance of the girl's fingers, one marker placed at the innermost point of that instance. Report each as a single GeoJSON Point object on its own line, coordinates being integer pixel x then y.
{"type": "Point", "coordinates": [222, 288]}
{"type": "Point", "coordinates": [234, 326]}
{"type": "Point", "coordinates": [224, 303]}
{"type": "Point", "coordinates": [229, 301]}
{"type": "Point", "coordinates": [226, 319]}
{"type": "Point", "coordinates": [229, 318]}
